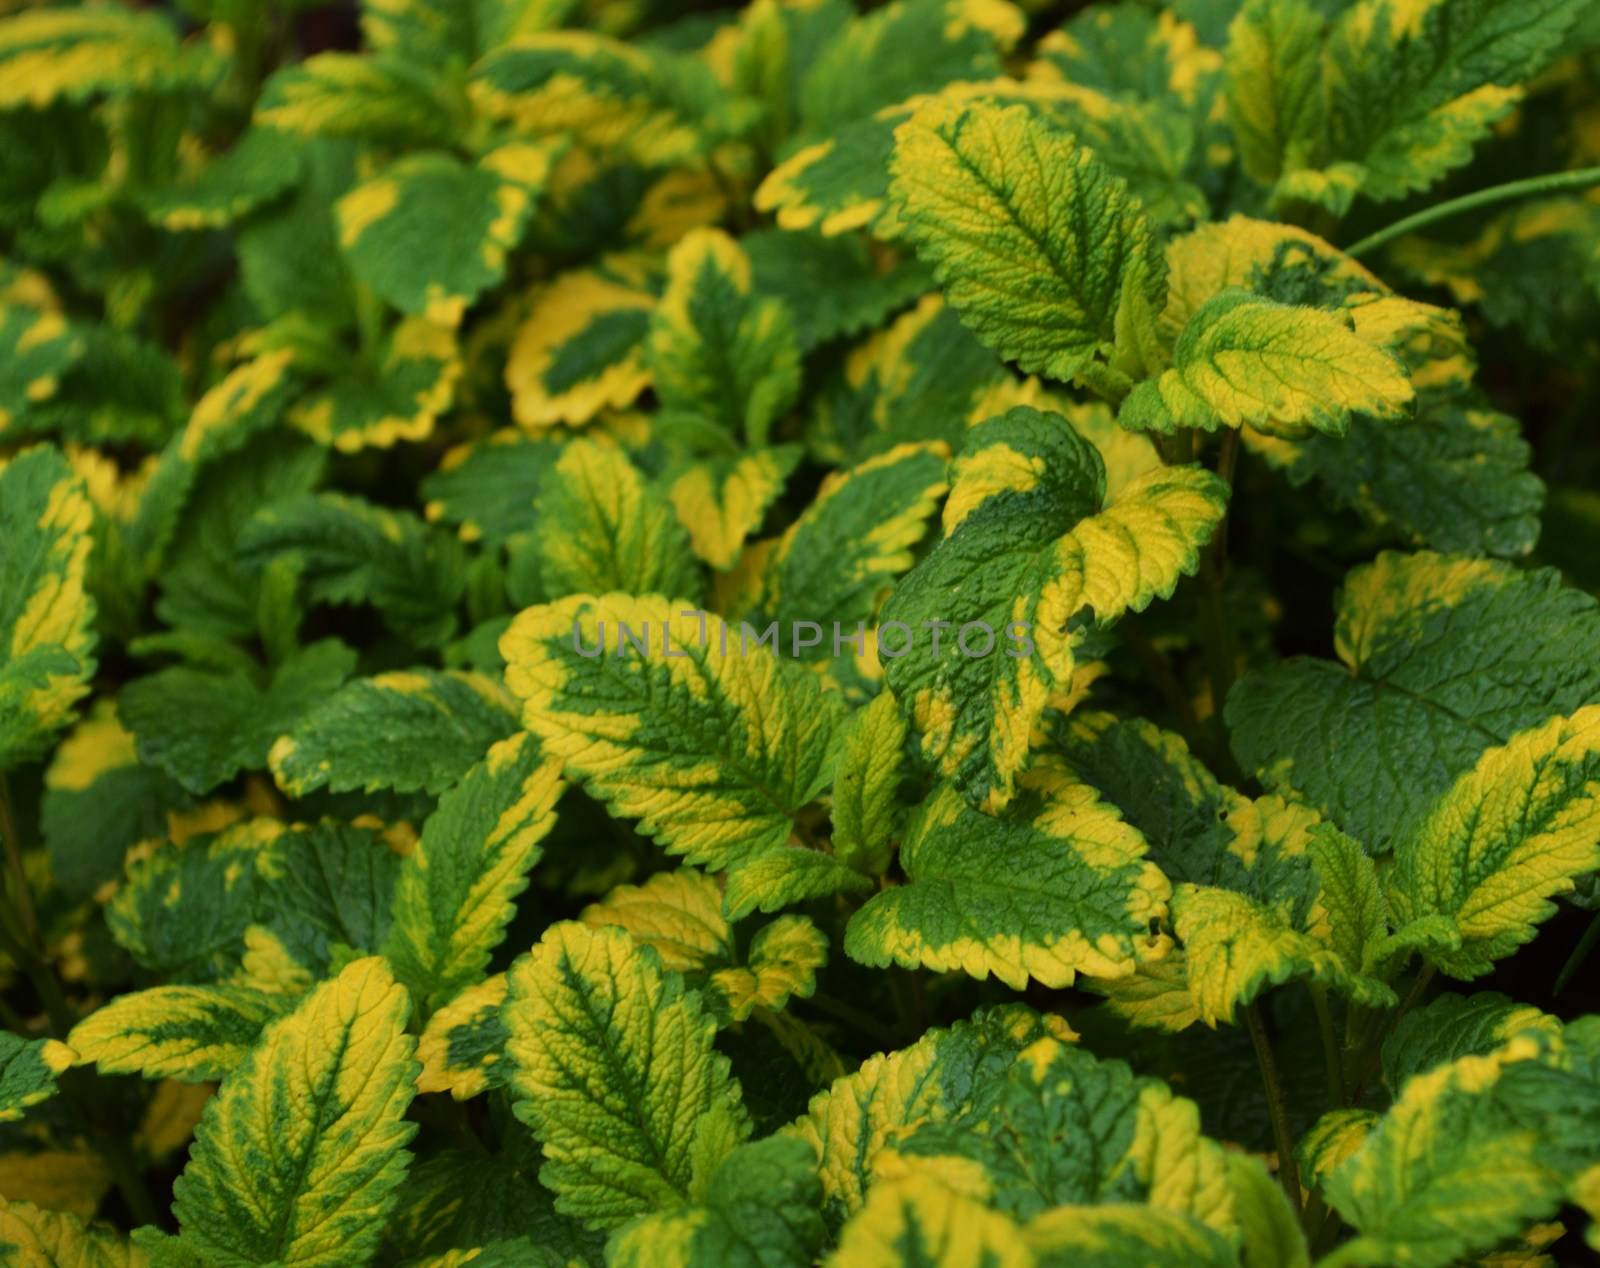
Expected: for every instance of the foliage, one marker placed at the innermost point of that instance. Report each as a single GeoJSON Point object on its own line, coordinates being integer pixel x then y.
{"type": "Point", "coordinates": [926, 632]}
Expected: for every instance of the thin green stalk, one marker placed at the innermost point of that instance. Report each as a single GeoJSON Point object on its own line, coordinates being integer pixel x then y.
{"type": "Point", "coordinates": [1277, 1107]}
{"type": "Point", "coordinates": [1580, 953]}
{"type": "Point", "coordinates": [1553, 183]}
{"type": "Point", "coordinates": [1332, 1055]}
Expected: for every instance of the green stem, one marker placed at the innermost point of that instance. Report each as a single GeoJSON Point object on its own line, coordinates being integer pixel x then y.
{"type": "Point", "coordinates": [1580, 953]}
{"type": "Point", "coordinates": [1580, 179]}
{"type": "Point", "coordinates": [1277, 1108]}
{"type": "Point", "coordinates": [1331, 1053]}
{"type": "Point", "coordinates": [21, 895]}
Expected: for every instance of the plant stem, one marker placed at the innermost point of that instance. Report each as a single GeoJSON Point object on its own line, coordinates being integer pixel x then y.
{"type": "Point", "coordinates": [1277, 1109]}
{"type": "Point", "coordinates": [1331, 1053]}
{"type": "Point", "coordinates": [1550, 184]}
{"type": "Point", "coordinates": [1160, 671]}
{"type": "Point", "coordinates": [1580, 953]}
{"type": "Point", "coordinates": [21, 896]}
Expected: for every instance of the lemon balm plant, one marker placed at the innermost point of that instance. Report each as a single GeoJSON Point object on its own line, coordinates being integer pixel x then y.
{"type": "Point", "coordinates": [933, 633]}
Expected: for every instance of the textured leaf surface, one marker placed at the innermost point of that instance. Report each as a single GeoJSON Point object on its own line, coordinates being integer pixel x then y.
{"type": "Point", "coordinates": [1274, 85]}
{"type": "Point", "coordinates": [615, 1073]}
{"type": "Point", "coordinates": [203, 727]}
{"type": "Point", "coordinates": [1064, 1127]}
{"type": "Point", "coordinates": [917, 1221]}
{"type": "Point", "coordinates": [192, 1033]}
{"type": "Point", "coordinates": [866, 808]}
{"type": "Point", "coordinates": [1242, 360]}
{"type": "Point", "coordinates": [1412, 88]}
{"type": "Point", "coordinates": [835, 562]}
{"type": "Point", "coordinates": [299, 1153]}
{"type": "Point", "coordinates": [859, 1115]}
{"type": "Point", "coordinates": [430, 234]}
{"type": "Point", "coordinates": [724, 361]}
{"type": "Point", "coordinates": [74, 53]}
{"type": "Point", "coordinates": [409, 730]}
{"type": "Point", "coordinates": [46, 614]}
{"type": "Point", "coordinates": [721, 500]}
{"type": "Point", "coordinates": [1447, 1170]}
{"type": "Point", "coordinates": [28, 1069]}
{"type": "Point", "coordinates": [1453, 1026]}
{"type": "Point", "coordinates": [1510, 834]}
{"type": "Point", "coordinates": [1037, 245]}
{"type": "Point", "coordinates": [606, 529]}
{"type": "Point", "coordinates": [58, 1239]}
{"type": "Point", "coordinates": [1068, 892]}
{"type": "Point", "coordinates": [634, 100]}
{"type": "Point", "coordinates": [454, 891]}
{"type": "Point", "coordinates": [380, 99]}
{"type": "Point", "coordinates": [581, 348]}
{"type": "Point", "coordinates": [712, 747]}
{"type": "Point", "coordinates": [1443, 657]}
{"type": "Point", "coordinates": [353, 551]}
{"type": "Point", "coordinates": [1029, 545]}
{"type": "Point", "coordinates": [40, 346]}
{"type": "Point", "coordinates": [759, 1210]}
{"type": "Point", "coordinates": [462, 1048]}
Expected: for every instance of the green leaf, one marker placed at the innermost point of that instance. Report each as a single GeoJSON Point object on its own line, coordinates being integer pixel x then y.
{"type": "Point", "coordinates": [119, 389]}
{"type": "Point", "coordinates": [916, 1222]}
{"type": "Point", "coordinates": [454, 891]}
{"type": "Point", "coordinates": [1267, 1224]}
{"type": "Point", "coordinates": [1031, 549]}
{"type": "Point", "coordinates": [430, 234]}
{"type": "Point", "coordinates": [445, 35]}
{"type": "Point", "coordinates": [259, 904]}
{"type": "Point", "coordinates": [459, 1198]}
{"type": "Point", "coordinates": [605, 528]}
{"type": "Point", "coordinates": [28, 1070]}
{"type": "Point", "coordinates": [46, 616]}
{"type": "Point", "coordinates": [1443, 657]}
{"type": "Point", "coordinates": [379, 99]}
{"type": "Point", "coordinates": [261, 166]}
{"type": "Point", "coordinates": [196, 1034]}
{"type": "Point", "coordinates": [1447, 1171]}
{"type": "Point", "coordinates": [39, 347]}
{"type": "Point", "coordinates": [1275, 98]}
{"type": "Point", "coordinates": [352, 551]}
{"type": "Point", "coordinates": [1449, 1027]}
{"type": "Point", "coordinates": [680, 915]}
{"type": "Point", "coordinates": [408, 730]}
{"type": "Point", "coordinates": [850, 1124]}
{"type": "Point", "coordinates": [867, 812]}
{"type": "Point", "coordinates": [711, 744]}
{"type": "Point", "coordinates": [582, 347]}
{"type": "Point", "coordinates": [35, 1235]}
{"type": "Point", "coordinates": [397, 393]}
{"type": "Point", "coordinates": [1510, 834]}
{"type": "Point", "coordinates": [203, 726]}
{"type": "Point", "coordinates": [1236, 947]}
{"type": "Point", "coordinates": [300, 1151]}
{"type": "Point", "coordinates": [1456, 477]}
{"type": "Point", "coordinates": [616, 1075]}
{"type": "Point", "coordinates": [1065, 1128]}
{"type": "Point", "coordinates": [1039, 247]}
{"type": "Point", "coordinates": [834, 564]}
{"type": "Point", "coordinates": [1243, 361]}
{"type": "Point", "coordinates": [1127, 1236]}
{"type": "Point", "coordinates": [70, 54]}
{"type": "Point", "coordinates": [631, 100]}
{"type": "Point", "coordinates": [722, 499]}
{"type": "Point", "coordinates": [489, 488]}
{"type": "Point", "coordinates": [1068, 892]}
{"type": "Point", "coordinates": [830, 286]}
{"type": "Point", "coordinates": [463, 1047]}
{"type": "Point", "coordinates": [1412, 89]}
{"type": "Point", "coordinates": [99, 799]}
{"type": "Point", "coordinates": [723, 360]}
{"type": "Point", "coordinates": [759, 1210]}
{"type": "Point", "coordinates": [905, 48]}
